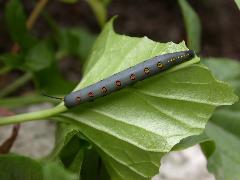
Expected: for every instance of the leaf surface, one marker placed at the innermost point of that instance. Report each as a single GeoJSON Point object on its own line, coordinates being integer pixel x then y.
{"type": "Point", "coordinates": [133, 128]}
{"type": "Point", "coordinates": [223, 128]}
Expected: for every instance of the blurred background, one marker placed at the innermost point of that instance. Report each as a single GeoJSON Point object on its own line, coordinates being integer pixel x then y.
{"type": "Point", "coordinates": [161, 21]}
{"type": "Point", "coordinates": [157, 19]}
{"type": "Point", "coordinates": [59, 23]}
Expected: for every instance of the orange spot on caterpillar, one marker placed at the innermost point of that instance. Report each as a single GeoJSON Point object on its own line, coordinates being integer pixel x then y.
{"type": "Point", "coordinates": [90, 94]}
{"type": "Point", "coordinates": [146, 70]}
{"type": "Point", "coordinates": [118, 83]}
{"type": "Point", "coordinates": [159, 65]}
{"type": "Point", "coordinates": [132, 76]}
{"type": "Point", "coordinates": [78, 99]}
{"type": "Point", "coordinates": [104, 90]}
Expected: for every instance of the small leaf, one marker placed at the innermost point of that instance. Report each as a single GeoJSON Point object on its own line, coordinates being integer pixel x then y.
{"type": "Point", "coordinates": [39, 57]}
{"type": "Point", "coordinates": [14, 167]}
{"type": "Point", "coordinates": [75, 41]}
{"type": "Point", "coordinates": [36, 58]}
{"type": "Point", "coordinates": [16, 24]}
{"type": "Point", "coordinates": [17, 167]}
{"type": "Point", "coordinates": [13, 60]}
{"type": "Point", "coordinates": [133, 128]}
{"type": "Point", "coordinates": [69, 148]}
{"type": "Point", "coordinates": [16, 18]}
{"type": "Point", "coordinates": [192, 25]}
{"type": "Point", "coordinates": [51, 171]}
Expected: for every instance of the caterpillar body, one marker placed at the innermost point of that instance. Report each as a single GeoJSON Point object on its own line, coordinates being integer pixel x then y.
{"type": "Point", "coordinates": [127, 77]}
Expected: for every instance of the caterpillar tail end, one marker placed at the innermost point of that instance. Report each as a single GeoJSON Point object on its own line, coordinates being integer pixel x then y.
{"type": "Point", "coordinates": [191, 53]}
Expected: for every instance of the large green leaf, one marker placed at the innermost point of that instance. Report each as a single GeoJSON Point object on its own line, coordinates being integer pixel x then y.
{"type": "Point", "coordinates": [133, 128]}
{"type": "Point", "coordinates": [14, 167]}
{"type": "Point", "coordinates": [192, 25]}
{"type": "Point", "coordinates": [224, 125]}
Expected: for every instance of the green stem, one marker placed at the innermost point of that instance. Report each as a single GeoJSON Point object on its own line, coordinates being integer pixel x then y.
{"type": "Point", "coordinates": [35, 13]}
{"type": "Point", "coordinates": [16, 84]}
{"type": "Point", "coordinates": [13, 102]}
{"type": "Point", "coordinates": [39, 115]}
{"type": "Point", "coordinates": [5, 70]}
{"type": "Point", "coordinates": [99, 10]}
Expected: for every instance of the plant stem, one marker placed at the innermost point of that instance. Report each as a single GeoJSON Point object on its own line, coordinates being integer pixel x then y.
{"type": "Point", "coordinates": [99, 10]}
{"type": "Point", "coordinates": [5, 70]}
{"type": "Point", "coordinates": [19, 82]}
{"type": "Point", "coordinates": [15, 48]}
{"type": "Point", "coordinates": [35, 13]}
{"type": "Point", "coordinates": [13, 102]}
{"type": "Point", "coordinates": [31, 21]}
{"type": "Point", "coordinates": [39, 115]}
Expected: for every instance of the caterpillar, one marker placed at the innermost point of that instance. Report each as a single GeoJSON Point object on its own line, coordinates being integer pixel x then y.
{"type": "Point", "coordinates": [127, 77]}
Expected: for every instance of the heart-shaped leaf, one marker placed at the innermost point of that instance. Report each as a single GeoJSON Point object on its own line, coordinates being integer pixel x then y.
{"type": "Point", "coordinates": [133, 128]}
